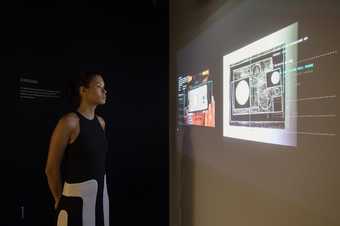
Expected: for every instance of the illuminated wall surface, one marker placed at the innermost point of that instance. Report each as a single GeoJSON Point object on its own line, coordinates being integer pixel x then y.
{"type": "Point", "coordinates": [272, 155]}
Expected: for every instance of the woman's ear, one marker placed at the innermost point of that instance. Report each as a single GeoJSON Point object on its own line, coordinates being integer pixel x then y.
{"type": "Point", "coordinates": [81, 90]}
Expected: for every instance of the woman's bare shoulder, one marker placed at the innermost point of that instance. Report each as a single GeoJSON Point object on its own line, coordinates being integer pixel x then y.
{"type": "Point", "coordinates": [69, 120]}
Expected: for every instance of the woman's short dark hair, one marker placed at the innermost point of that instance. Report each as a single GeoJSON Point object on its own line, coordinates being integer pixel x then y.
{"type": "Point", "coordinates": [84, 79]}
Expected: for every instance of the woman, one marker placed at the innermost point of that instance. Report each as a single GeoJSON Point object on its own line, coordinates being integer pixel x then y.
{"type": "Point", "coordinates": [79, 138]}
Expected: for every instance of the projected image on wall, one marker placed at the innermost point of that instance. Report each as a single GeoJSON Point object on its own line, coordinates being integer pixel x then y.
{"type": "Point", "coordinates": [257, 94]}
{"type": "Point", "coordinates": [256, 88]}
{"type": "Point", "coordinates": [196, 104]}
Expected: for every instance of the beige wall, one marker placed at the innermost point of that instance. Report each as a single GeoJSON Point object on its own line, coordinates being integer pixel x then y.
{"type": "Point", "coordinates": [255, 186]}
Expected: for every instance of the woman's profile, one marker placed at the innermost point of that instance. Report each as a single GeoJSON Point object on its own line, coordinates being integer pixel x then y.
{"type": "Point", "coordinates": [79, 141]}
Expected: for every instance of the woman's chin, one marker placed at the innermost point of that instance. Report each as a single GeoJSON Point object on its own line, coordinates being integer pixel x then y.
{"type": "Point", "coordinates": [102, 102]}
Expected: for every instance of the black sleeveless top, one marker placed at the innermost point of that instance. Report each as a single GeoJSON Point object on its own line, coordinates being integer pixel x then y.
{"type": "Point", "coordinates": [85, 158]}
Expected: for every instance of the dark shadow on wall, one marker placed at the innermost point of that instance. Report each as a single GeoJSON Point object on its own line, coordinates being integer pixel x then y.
{"type": "Point", "coordinates": [185, 150]}
{"type": "Point", "coordinates": [136, 113]}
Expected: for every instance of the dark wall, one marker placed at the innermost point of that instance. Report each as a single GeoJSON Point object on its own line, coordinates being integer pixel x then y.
{"type": "Point", "coordinates": [129, 43]}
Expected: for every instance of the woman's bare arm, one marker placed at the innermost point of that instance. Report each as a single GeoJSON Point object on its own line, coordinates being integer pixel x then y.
{"type": "Point", "coordinates": [61, 136]}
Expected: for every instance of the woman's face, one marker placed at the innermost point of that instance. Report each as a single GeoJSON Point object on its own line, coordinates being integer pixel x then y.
{"type": "Point", "coordinates": [95, 93]}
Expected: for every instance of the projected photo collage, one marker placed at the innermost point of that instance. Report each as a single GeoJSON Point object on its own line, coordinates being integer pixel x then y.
{"type": "Point", "coordinates": [196, 104]}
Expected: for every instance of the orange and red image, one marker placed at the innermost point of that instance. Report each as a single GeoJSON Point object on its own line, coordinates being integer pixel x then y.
{"type": "Point", "coordinates": [196, 104]}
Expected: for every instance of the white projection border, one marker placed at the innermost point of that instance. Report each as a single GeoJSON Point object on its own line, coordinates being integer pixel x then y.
{"type": "Point", "coordinates": [286, 135]}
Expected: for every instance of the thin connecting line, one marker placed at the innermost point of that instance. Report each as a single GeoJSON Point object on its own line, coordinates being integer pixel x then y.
{"type": "Point", "coordinates": [313, 133]}
{"type": "Point", "coordinates": [313, 98]}
{"type": "Point", "coordinates": [318, 56]}
{"type": "Point", "coordinates": [310, 58]}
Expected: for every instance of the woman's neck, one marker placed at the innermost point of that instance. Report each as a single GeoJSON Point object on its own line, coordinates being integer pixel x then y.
{"type": "Point", "coordinates": [87, 110]}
